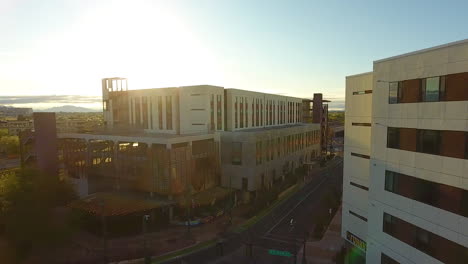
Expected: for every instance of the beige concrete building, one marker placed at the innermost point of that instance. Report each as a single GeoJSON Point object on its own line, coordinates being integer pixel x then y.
{"type": "Point", "coordinates": [413, 208]}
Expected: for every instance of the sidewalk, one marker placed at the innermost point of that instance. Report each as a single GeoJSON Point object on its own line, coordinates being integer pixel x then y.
{"type": "Point", "coordinates": [324, 251]}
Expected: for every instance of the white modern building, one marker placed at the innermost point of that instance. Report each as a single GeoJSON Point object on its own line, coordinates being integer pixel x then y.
{"type": "Point", "coordinates": [170, 141]}
{"type": "Point", "coordinates": [405, 190]}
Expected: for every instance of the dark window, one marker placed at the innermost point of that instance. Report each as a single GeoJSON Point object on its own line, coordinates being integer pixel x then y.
{"type": "Point", "coordinates": [358, 216]}
{"type": "Point", "coordinates": [391, 179]}
{"type": "Point", "coordinates": [362, 92]}
{"type": "Point", "coordinates": [145, 111]}
{"type": "Point", "coordinates": [235, 114]}
{"type": "Point", "coordinates": [442, 196]}
{"type": "Point", "coordinates": [466, 146]}
{"type": "Point", "coordinates": [388, 224]}
{"type": "Point", "coordinates": [236, 153]}
{"type": "Point", "coordinates": [429, 141]}
{"type": "Point", "coordinates": [361, 124]}
{"type": "Point", "coordinates": [452, 87]}
{"type": "Point", "coordinates": [212, 120]}
{"type": "Point", "coordinates": [425, 241]}
{"type": "Point", "coordinates": [359, 186]}
{"type": "Point", "coordinates": [160, 115]}
{"type": "Point", "coordinates": [360, 155]}
{"type": "Point", "coordinates": [219, 120]}
{"type": "Point", "coordinates": [384, 259]}
{"type": "Point", "coordinates": [137, 112]}
{"type": "Point", "coordinates": [245, 184]}
{"type": "Point", "coordinates": [393, 93]}
{"type": "Point", "coordinates": [393, 137]}
{"type": "Point", "coordinates": [169, 112]}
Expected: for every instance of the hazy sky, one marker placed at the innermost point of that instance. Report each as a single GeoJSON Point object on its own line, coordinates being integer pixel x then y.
{"type": "Point", "coordinates": [290, 47]}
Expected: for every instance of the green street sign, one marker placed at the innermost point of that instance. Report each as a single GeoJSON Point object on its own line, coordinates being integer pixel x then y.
{"type": "Point", "coordinates": [279, 253]}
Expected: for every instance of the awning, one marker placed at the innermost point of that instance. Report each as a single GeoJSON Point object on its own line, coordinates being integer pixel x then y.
{"type": "Point", "coordinates": [115, 204]}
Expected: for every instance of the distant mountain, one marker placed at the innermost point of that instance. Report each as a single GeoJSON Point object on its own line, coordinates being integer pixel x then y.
{"type": "Point", "coordinates": [68, 108]}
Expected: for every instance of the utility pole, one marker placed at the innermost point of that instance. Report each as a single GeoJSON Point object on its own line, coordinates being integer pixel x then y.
{"type": "Point", "coordinates": [304, 261]}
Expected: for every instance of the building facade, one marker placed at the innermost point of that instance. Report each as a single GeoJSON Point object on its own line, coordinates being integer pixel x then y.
{"type": "Point", "coordinates": [417, 192]}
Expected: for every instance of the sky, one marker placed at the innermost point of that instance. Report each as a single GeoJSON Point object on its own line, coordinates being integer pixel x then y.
{"type": "Point", "coordinates": [53, 48]}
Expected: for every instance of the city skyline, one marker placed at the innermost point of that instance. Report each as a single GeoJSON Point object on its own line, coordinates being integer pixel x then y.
{"type": "Point", "coordinates": [292, 49]}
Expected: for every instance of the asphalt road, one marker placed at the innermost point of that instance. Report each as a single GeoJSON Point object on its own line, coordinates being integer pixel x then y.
{"type": "Point", "coordinates": [274, 231]}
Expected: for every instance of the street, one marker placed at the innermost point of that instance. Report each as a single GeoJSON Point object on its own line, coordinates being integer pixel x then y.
{"type": "Point", "coordinates": [275, 231]}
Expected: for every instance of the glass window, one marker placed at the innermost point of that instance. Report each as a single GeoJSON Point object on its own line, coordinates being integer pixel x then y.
{"type": "Point", "coordinates": [429, 141]}
{"type": "Point", "coordinates": [169, 112]}
{"type": "Point", "coordinates": [384, 259]}
{"type": "Point", "coordinates": [391, 181]}
{"type": "Point", "coordinates": [393, 137]}
{"type": "Point", "coordinates": [236, 153]}
{"type": "Point", "coordinates": [431, 89]}
{"type": "Point", "coordinates": [160, 116]}
{"type": "Point", "coordinates": [388, 224]}
{"type": "Point", "coordinates": [393, 93]}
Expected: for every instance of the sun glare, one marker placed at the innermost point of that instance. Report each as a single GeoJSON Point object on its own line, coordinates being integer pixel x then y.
{"type": "Point", "coordinates": [144, 41]}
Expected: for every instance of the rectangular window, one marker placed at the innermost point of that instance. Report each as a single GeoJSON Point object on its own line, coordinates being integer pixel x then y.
{"type": "Point", "coordinates": [145, 111]}
{"type": "Point", "coordinates": [442, 196]}
{"type": "Point", "coordinates": [361, 124]}
{"type": "Point", "coordinates": [358, 216]}
{"type": "Point", "coordinates": [241, 108]}
{"type": "Point", "coordinates": [391, 179]}
{"type": "Point", "coordinates": [257, 113]}
{"type": "Point", "coordinates": [362, 92]}
{"type": "Point", "coordinates": [393, 93]}
{"type": "Point", "coordinates": [245, 184]}
{"type": "Point", "coordinates": [151, 111]}
{"type": "Point", "coordinates": [137, 112]}
{"type": "Point", "coordinates": [278, 147]}
{"type": "Point", "coordinates": [236, 153]}
{"type": "Point", "coordinates": [393, 138]}
{"type": "Point", "coordinates": [253, 113]}
{"type": "Point", "coordinates": [425, 241]}
{"type": "Point", "coordinates": [359, 186]}
{"type": "Point", "coordinates": [261, 112]}
{"type": "Point", "coordinates": [219, 116]}
{"type": "Point", "coordinates": [431, 89]}
{"type": "Point", "coordinates": [160, 115]}
{"type": "Point", "coordinates": [360, 155]}
{"type": "Point", "coordinates": [429, 141]}
{"type": "Point", "coordinates": [212, 122]}
{"type": "Point", "coordinates": [246, 113]}
{"type": "Point", "coordinates": [169, 112]}
{"type": "Point", "coordinates": [258, 151]}
{"type": "Point", "coordinates": [235, 114]}
{"type": "Point", "coordinates": [384, 259]}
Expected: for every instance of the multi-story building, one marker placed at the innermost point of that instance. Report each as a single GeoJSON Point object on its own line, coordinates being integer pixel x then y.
{"type": "Point", "coordinates": [265, 139]}
{"type": "Point", "coordinates": [406, 189]}
{"type": "Point", "coordinates": [14, 127]}
{"type": "Point", "coordinates": [172, 143]}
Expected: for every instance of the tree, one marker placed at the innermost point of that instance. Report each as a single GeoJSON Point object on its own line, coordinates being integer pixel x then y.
{"type": "Point", "coordinates": [10, 144]}
{"type": "Point", "coordinates": [27, 201]}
